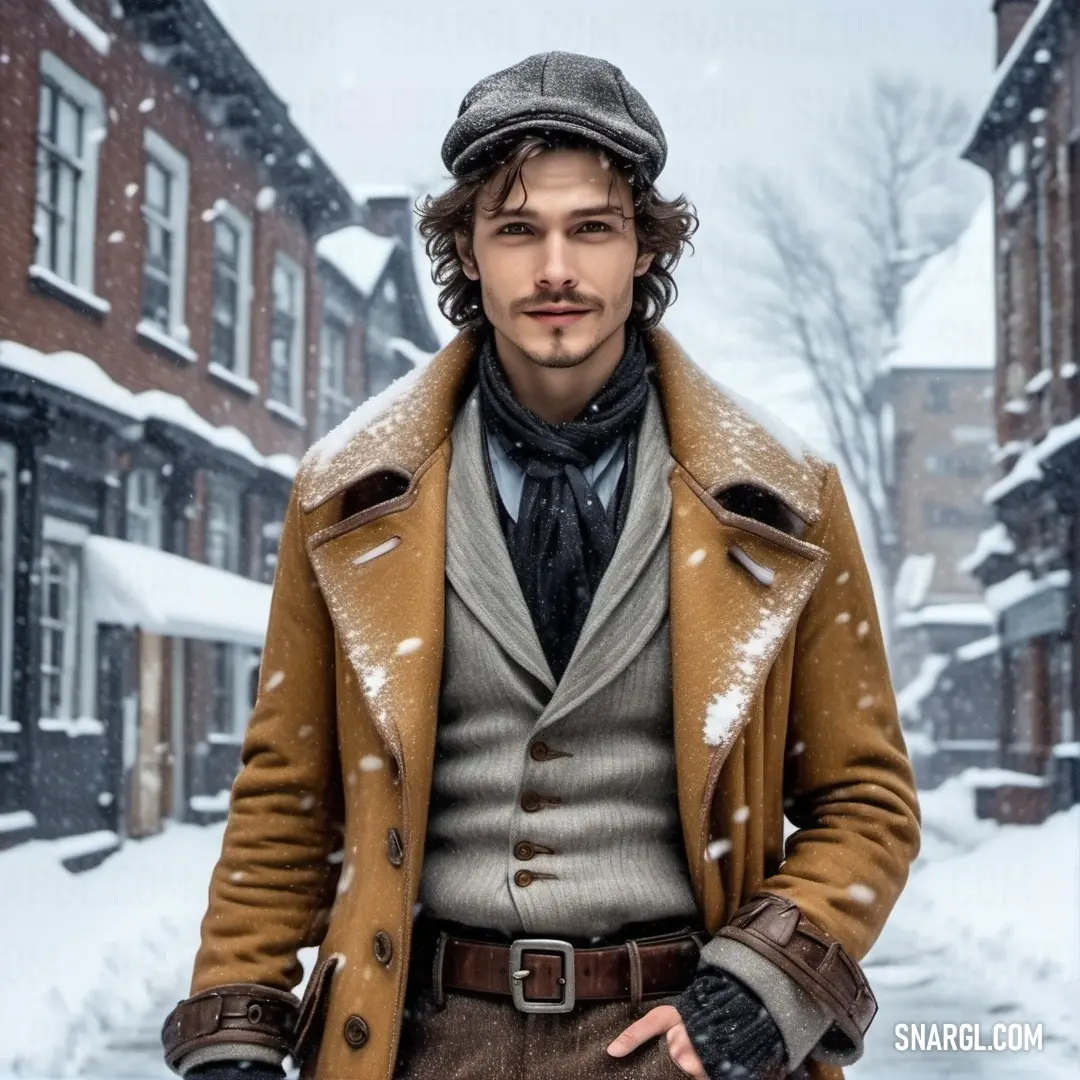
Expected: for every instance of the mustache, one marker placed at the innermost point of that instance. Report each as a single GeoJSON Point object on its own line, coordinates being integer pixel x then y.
{"type": "Point", "coordinates": [566, 298]}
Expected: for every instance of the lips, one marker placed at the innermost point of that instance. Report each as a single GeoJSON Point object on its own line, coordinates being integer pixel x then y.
{"type": "Point", "coordinates": [558, 316]}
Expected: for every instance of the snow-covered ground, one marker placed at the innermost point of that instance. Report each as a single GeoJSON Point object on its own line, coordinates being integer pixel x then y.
{"type": "Point", "coordinates": [987, 930]}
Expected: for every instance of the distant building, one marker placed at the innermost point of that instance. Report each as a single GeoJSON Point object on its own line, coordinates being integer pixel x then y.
{"type": "Point", "coordinates": [167, 353]}
{"type": "Point", "coordinates": [941, 392]}
{"type": "Point", "coordinates": [1028, 141]}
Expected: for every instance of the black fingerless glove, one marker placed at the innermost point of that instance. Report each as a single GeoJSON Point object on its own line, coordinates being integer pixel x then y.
{"type": "Point", "coordinates": [730, 1029]}
{"type": "Point", "coordinates": [235, 1070]}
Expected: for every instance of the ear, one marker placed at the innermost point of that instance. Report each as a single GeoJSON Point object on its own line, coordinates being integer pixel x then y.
{"type": "Point", "coordinates": [643, 263]}
{"type": "Point", "coordinates": [465, 255]}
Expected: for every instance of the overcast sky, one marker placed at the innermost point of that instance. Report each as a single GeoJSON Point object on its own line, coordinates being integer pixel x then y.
{"type": "Point", "coordinates": [734, 83]}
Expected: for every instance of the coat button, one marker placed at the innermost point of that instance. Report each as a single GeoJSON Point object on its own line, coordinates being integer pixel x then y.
{"type": "Point", "coordinates": [356, 1031]}
{"type": "Point", "coordinates": [395, 852]}
{"type": "Point", "coordinates": [384, 948]}
{"type": "Point", "coordinates": [530, 802]}
{"type": "Point", "coordinates": [538, 751]}
{"type": "Point", "coordinates": [524, 850]}
{"type": "Point", "coordinates": [523, 878]}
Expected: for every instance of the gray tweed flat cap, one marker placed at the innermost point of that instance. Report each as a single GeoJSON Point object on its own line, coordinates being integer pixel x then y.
{"type": "Point", "coordinates": [557, 91]}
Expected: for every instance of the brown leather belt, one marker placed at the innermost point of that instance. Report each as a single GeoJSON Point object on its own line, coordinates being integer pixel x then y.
{"type": "Point", "coordinates": [550, 975]}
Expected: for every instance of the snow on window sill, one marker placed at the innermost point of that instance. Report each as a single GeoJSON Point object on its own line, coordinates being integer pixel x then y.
{"type": "Point", "coordinates": [82, 725]}
{"type": "Point", "coordinates": [1068, 371]}
{"type": "Point", "coordinates": [153, 333]}
{"type": "Point", "coordinates": [239, 382]}
{"type": "Point", "coordinates": [17, 820]}
{"type": "Point", "coordinates": [82, 24]}
{"type": "Point", "coordinates": [9, 726]}
{"type": "Point", "coordinates": [67, 290]}
{"type": "Point", "coordinates": [1038, 383]}
{"type": "Point", "coordinates": [286, 413]}
{"type": "Point", "coordinates": [222, 738]}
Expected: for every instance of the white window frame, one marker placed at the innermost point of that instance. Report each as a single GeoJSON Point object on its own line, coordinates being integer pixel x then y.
{"type": "Point", "coordinates": [218, 484]}
{"type": "Point", "coordinates": [79, 687]}
{"type": "Point", "coordinates": [239, 373]}
{"type": "Point", "coordinates": [149, 513]}
{"type": "Point", "coordinates": [8, 510]}
{"type": "Point", "coordinates": [91, 101]}
{"type": "Point", "coordinates": [290, 410]}
{"type": "Point", "coordinates": [241, 661]}
{"type": "Point", "coordinates": [171, 161]}
{"type": "Point", "coordinates": [340, 401]}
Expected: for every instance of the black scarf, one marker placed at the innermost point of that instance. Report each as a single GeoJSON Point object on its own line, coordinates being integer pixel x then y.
{"type": "Point", "coordinates": [563, 539]}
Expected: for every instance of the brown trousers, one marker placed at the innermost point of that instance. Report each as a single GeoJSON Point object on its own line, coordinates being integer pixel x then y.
{"type": "Point", "coordinates": [482, 1037]}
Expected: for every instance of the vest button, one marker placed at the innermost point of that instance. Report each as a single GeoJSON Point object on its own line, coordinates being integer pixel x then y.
{"type": "Point", "coordinates": [523, 878]}
{"type": "Point", "coordinates": [384, 948]}
{"type": "Point", "coordinates": [530, 802]}
{"type": "Point", "coordinates": [524, 850]}
{"type": "Point", "coordinates": [356, 1031]}
{"type": "Point", "coordinates": [539, 751]}
{"type": "Point", "coordinates": [395, 852]}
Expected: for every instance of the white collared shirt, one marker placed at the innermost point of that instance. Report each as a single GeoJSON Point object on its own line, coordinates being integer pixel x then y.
{"type": "Point", "coordinates": [602, 474]}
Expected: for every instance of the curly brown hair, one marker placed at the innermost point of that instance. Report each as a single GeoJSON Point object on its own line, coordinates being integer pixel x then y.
{"type": "Point", "coordinates": [663, 227]}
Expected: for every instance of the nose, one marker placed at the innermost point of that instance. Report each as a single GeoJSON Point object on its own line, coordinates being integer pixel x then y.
{"type": "Point", "coordinates": [556, 271]}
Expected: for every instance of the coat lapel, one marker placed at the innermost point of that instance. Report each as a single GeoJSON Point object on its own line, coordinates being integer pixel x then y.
{"type": "Point", "coordinates": [631, 599]}
{"type": "Point", "coordinates": [477, 560]}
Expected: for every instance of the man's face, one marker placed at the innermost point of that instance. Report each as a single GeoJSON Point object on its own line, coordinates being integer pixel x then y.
{"type": "Point", "coordinates": [564, 239]}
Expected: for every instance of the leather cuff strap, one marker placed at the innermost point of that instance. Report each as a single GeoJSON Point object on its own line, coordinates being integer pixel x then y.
{"type": "Point", "coordinates": [235, 1013]}
{"type": "Point", "coordinates": [779, 931]}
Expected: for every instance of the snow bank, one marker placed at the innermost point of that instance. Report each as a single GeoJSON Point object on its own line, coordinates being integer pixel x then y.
{"type": "Point", "coordinates": [87, 953]}
{"type": "Point", "coordinates": [1000, 901]}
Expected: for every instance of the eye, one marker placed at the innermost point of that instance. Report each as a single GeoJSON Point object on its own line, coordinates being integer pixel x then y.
{"type": "Point", "coordinates": [513, 225]}
{"type": "Point", "coordinates": [603, 225]}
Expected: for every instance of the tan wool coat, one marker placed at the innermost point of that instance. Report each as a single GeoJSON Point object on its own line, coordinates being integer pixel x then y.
{"type": "Point", "coordinates": [782, 705]}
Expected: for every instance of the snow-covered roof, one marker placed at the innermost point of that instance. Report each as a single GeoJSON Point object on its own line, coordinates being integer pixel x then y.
{"type": "Point", "coordinates": [363, 193]}
{"type": "Point", "coordinates": [1022, 586]}
{"type": "Point", "coordinates": [131, 585]}
{"type": "Point", "coordinates": [358, 253]}
{"type": "Point", "coordinates": [922, 686]}
{"type": "Point", "coordinates": [948, 311]}
{"type": "Point", "coordinates": [81, 376]}
{"type": "Point", "coordinates": [1008, 62]}
{"type": "Point", "coordinates": [968, 613]}
{"type": "Point", "coordinates": [410, 350]}
{"type": "Point", "coordinates": [992, 541]}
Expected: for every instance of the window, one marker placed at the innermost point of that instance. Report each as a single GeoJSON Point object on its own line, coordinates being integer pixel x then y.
{"type": "Point", "coordinates": [334, 401]}
{"type": "Point", "coordinates": [271, 543]}
{"type": "Point", "coordinates": [71, 126]}
{"type": "Point", "coordinates": [937, 396]}
{"type": "Point", "coordinates": [7, 575]}
{"type": "Point", "coordinates": [943, 516]}
{"type": "Point", "coordinates": [59, 631]}
{"type": "Point", "coordinates": [287, 337]}
{"type": "Point", "coordinates": [235, 686]}
{"type": "Point", "coordinates": [144, 507]}
{"type": "Point", "coordinates": [231, 312]}
{"type": "Point", "coordinates": [223, 524]}
{"type": "Point", "coordinates": [165, 198]}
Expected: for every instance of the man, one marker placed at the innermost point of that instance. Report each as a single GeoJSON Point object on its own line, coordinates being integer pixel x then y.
{"type": "Point", "coordinates": [559, 636]}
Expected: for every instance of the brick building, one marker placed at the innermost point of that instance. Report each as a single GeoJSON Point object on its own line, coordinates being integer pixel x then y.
{"type": "Point", "coordinates": [170, 344]}
{"type": "Point", "coordinates": [1027, 139]}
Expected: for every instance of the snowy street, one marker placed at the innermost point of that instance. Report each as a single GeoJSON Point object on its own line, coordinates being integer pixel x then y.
{"type": "Point", "coordinates": [985, 932]}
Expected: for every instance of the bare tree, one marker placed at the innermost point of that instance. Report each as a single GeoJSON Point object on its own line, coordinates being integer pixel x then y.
{"type": "Point", "coordinates": [896, 194]}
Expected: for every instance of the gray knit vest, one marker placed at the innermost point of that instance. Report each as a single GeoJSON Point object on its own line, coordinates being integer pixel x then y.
{"type": "Point", "coordinates": [554, 807]}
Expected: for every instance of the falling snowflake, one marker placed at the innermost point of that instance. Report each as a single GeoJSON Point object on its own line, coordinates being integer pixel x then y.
{"type": "Point", "coordinates": [696, 557]}
{"type": "Point", "coordinates": [844, 578]}
{"type": "Point", "coordinates": [861, 894]}
{"type": "Point", "coordinates": [716, 849]}
{"type": "Point", "coordinates": [345, 881]}
{"type": "Point", "coordinates": [146, 104]}
{"type": "Point", "coordinates": [131, 190]}
{"type": "Point", "coordinates": [866, 701]}
{"type": "Point", "coordinates": [409, 645]}
{"type": "Point", "coordinates": [371, 763]}
{"type": "Point", "coordinates": [844, 617]}
{"type": "Point", "coordinates": [741, 814]}
{"type": "Point", "coordinates": [116, 237]}
{"type": "Point", "coordinates": [265, 199]}
{"type": "Point", "coordinates": [862, 629]}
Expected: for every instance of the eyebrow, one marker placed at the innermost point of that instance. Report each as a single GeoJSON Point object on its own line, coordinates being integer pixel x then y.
{"type": "Point", "coordinates": [586, 211]}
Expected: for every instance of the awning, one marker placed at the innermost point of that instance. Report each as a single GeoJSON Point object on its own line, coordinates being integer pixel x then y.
{"type": "Point", "coordinates": [131, 585]}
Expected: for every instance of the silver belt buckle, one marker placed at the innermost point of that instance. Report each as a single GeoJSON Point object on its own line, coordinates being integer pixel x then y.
{"type": "Point", "coordinates": [518, 975]}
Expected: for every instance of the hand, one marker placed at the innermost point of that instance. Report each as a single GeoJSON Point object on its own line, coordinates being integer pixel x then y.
{"type": "Point", "coordinates": [664, 1019]}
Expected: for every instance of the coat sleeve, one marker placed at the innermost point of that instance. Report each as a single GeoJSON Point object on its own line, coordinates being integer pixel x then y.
{"type": "Point", "coordinates": [849, 787]}
{"type": "Point", "coordinates": [274, 879]}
